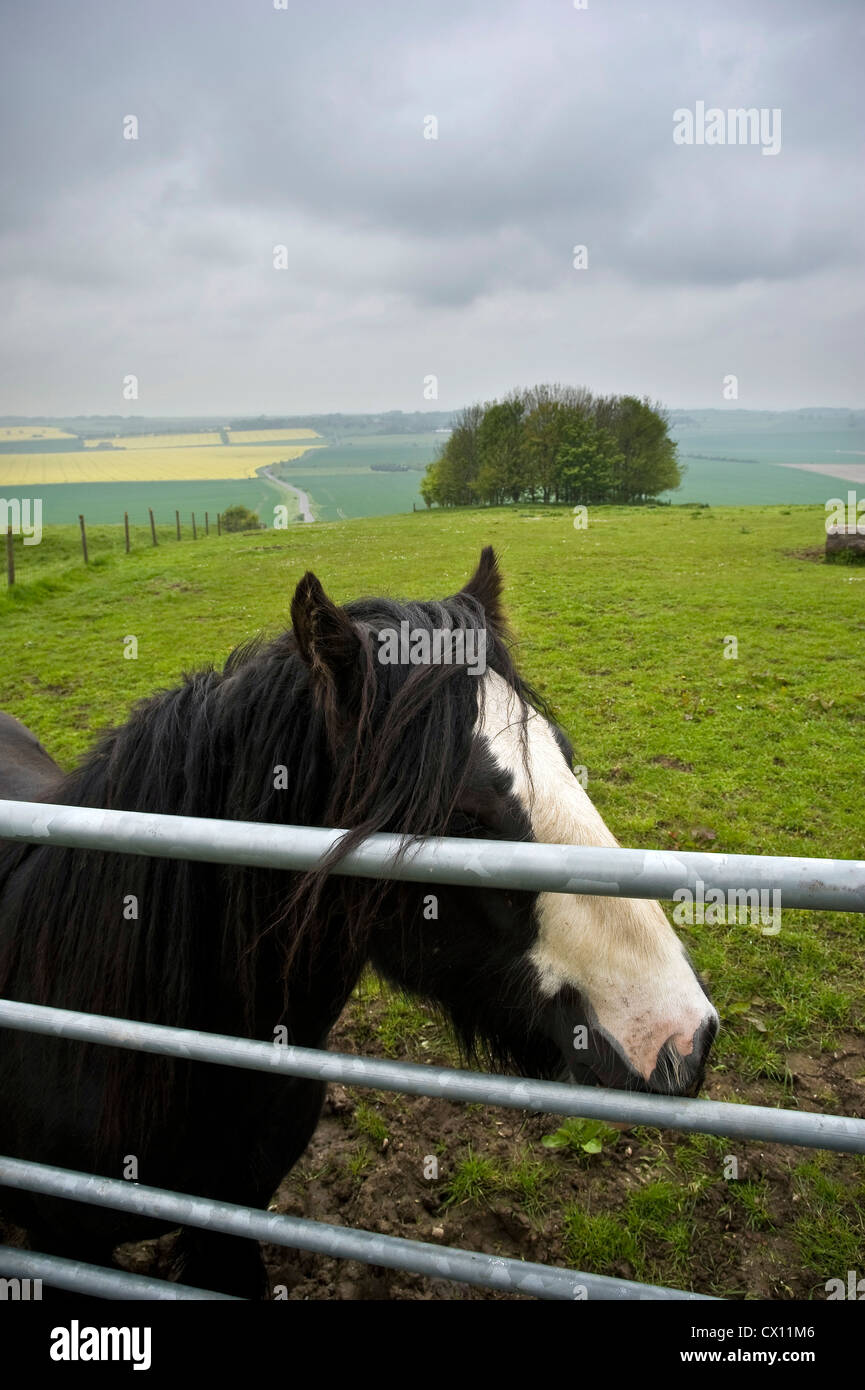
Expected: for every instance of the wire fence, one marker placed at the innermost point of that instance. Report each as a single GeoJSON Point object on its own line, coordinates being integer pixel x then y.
{"type": "Point", "coordinates": [837, 885]}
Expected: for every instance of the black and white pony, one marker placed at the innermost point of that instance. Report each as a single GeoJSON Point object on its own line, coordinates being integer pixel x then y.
{"type": "Point", "coordinates": [368, 746]}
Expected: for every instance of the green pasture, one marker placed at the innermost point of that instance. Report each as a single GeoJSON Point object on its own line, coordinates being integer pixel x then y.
{"type": "Point", "coordinates": [623, 627]}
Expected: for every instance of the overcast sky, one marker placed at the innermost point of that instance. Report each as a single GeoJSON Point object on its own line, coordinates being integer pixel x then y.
{"type": "Point", "coordinates": [410, 257]}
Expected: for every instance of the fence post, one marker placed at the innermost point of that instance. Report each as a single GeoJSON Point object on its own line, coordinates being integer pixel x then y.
{"type": "Point", "coordinates": [177, 519]}
{"type": "Point", "coordinates": [10, 558]}
{"type": "Point", "coordinates": [194, 532]}
{"type": "Point", "coordinates": [126, 529]}
{"type": "Point", "coordinates": [206, 524]}
{"type": "Point", "coordinates": [152, 526]}
{"type": "Point", "coordinates": [83, 537]}
{"type": "Point", "coordinates": [219, 523]}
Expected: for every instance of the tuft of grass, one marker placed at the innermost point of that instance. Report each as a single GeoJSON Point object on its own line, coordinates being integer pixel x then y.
{"type": "Point", "coordinates": [358, 1162]}
{"type": "Point", "coordinates": [654, 1236]}
{"type": "Point", "coordinates": [475, 1179]}
{"type": "Point", "coordinates": [753, 1197]}
{"type": "Point", "coordinates": [528, 1180]}
{"type": "Point", "coordinates": [597, 1242]}
{"type": "Point", "coordinates": [371, 1123]}
{"type": "Point", "coordinates": [661, 1215]}
{"type": "Point", "coordinates": [830, 1223]}
{"type": "Point", "coordinates": [403, 1022]}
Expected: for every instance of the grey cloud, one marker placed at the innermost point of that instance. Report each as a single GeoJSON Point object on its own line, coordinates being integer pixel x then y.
{"type": "Point", "coordinates": [305, 128]}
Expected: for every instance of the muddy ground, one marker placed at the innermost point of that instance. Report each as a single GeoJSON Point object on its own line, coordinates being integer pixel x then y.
{"type": "Point", "coordinates": [390, 1193]}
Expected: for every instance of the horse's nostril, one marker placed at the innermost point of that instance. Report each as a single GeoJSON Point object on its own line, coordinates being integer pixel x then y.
{"type": "Point", "coordinates": [681, 1073]}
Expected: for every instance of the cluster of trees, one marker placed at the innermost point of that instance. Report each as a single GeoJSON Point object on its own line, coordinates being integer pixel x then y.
{"type": "Point", "coordinates": [554, 443]}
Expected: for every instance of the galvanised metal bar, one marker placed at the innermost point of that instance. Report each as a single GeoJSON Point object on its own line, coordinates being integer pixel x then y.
{"type": "Point", "coordinates": [840, 1132]}
{"type": "Point", "coordinates": [81, 1278]}
{"type": "Point", "coordinates": [828, 884]}
{"type": "Point", "coordinates": [341, 1242]}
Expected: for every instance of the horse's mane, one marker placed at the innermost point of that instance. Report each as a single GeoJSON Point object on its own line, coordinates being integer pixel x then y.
{"type": "Point", "coordinates": [210, 747]}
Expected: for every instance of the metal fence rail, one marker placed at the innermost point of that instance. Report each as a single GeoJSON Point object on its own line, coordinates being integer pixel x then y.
{"type": "Point", "coordinates": [840, 1132]}
{"type": "Point", "coordinates": [394, 1252]}
{"type": "Point", "coordinates": [835, 885]}
{"type": "Point", "coordinates": [831, 884]}
{"type": "Point", "coordinates": [81, 1278]}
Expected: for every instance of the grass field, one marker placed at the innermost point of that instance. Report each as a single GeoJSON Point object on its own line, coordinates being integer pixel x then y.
{"type": "Point", "coordinates": [623, 628]}
{"type": "Point", "coordinates": [139, 465]}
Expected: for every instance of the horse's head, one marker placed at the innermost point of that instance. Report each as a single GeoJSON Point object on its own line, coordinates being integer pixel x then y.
{"type": "Point", "coordinates": [459, 745]}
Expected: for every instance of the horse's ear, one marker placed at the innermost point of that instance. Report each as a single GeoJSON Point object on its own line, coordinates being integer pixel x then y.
{"type": "Point", "coordinates": [325, 637]}
{"type": "Point", "coordinates": [486, 585]}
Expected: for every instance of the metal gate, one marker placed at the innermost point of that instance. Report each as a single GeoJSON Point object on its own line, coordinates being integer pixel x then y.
{"type": "Point", "coordinates": [836, 885]}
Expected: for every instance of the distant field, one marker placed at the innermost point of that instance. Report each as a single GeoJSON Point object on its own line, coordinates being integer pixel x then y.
{"type": "Point", "coordinates": [398, 448]}
{"type": "Point", "coordinates": [11, 432]}
{"type": "Point", "coordinates": [157, 441]}
{"type": "Point", "coordinates": [730, 457]}
{"type": "Point", "coordinates": [138, 465]}
{"type": "Point", "coordinates": [348, 495]}
{"type": "Point", "coordinates": [199, 439]}
{"type": "Point", "coordinates": [105, 503]}
{"type": "Point", "coordinates": [265, 436]}
{"type": "Point", "coordinates": [730, 483]}
{"type": "Point", "coordinates": [340, 481]}
{"type": "Point", "coordinates": [735, 461]}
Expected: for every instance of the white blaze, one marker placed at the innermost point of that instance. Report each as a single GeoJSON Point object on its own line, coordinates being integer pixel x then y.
{"type": "Point", "coordinates": [621, 953]}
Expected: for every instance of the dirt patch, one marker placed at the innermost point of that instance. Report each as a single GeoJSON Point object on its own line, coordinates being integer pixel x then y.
{"type": "Point", "coordinates": [662, 760]}
{"type": "Point", "coordinates": [815, 553]}
{"type": "Point", "coordinates": [160, 585]}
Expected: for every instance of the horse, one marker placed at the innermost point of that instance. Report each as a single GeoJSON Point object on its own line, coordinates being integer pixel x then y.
{"type": "Point", "coordinates": [312, 728]}
{"type": "Point", "coordinates": [27, 771]}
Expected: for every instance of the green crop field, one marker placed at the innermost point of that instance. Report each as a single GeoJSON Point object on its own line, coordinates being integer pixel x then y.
{"type": "Point", "coordinates": [342, 485]}
{"type": "Point", "coordinates": [348, 493]}
{"type": "Point", "coordinates": [623, 628]}
{"type": "Point", "coordinates": [104, 503]}
{"type": "Point", "coordinates": [745, 458]}
{"type": "Point", "coordinates": [730, 482]}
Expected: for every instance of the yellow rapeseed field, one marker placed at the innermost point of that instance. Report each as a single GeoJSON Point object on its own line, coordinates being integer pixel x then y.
{"type": "Point", "coordinates": [8, 433]}
{"type": "Point", "coordinates": [140, 465]}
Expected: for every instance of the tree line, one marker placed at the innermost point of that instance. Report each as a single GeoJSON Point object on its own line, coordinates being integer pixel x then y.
{"type": "Point", "coordinates": [554, 443]}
